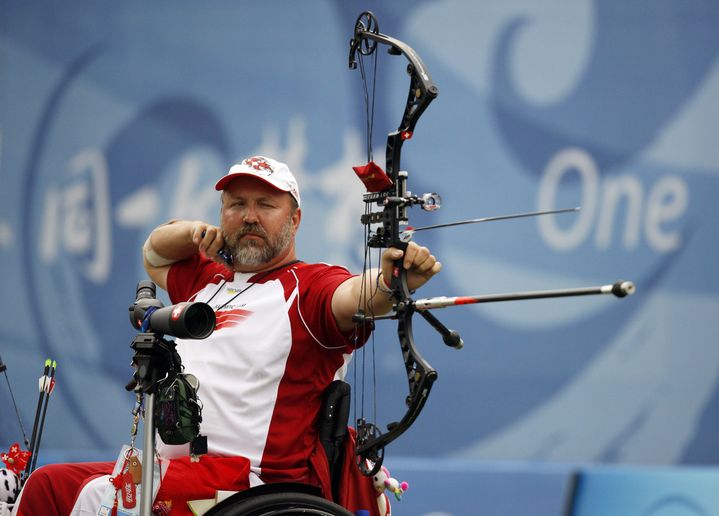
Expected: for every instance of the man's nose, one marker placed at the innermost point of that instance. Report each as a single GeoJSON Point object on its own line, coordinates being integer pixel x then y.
{"type": "Point", "coordinates": [250, 215]}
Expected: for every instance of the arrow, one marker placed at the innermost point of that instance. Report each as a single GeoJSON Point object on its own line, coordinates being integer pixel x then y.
{"type": "Point", "coordinates": [46, 384]}
{"type": "Point", "coordinates": [406, 235]}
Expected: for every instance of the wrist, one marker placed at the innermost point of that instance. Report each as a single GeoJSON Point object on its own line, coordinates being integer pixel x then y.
{"type": "Point", "coordinates": [383, 285]}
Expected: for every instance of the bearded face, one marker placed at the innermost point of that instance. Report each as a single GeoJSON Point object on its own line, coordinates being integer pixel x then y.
{"type": "Point", "coordinates": [252, 246]}
{"type": "Point", "coordinates": [258, 223]}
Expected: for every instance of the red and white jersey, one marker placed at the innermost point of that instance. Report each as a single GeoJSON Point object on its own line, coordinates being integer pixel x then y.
{"type": "Point", "coordinates": [262, 373]}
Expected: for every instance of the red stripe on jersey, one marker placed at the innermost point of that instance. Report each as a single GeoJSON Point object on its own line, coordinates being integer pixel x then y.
{"type": "Point", "coordinates": [230, 318]}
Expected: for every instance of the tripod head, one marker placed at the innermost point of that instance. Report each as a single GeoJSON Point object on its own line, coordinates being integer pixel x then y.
{"type": "Point", "coordinates": [155, 357]}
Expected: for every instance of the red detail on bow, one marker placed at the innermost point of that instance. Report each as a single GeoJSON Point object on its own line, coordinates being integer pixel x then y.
{"type": "Point", "coordinates": [374, 178]}
{"type": "Point", "coordinates": [16, 459]}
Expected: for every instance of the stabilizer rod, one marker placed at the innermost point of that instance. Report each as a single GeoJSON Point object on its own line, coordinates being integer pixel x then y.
{"type": "Point", "coordinates": [620, 288]}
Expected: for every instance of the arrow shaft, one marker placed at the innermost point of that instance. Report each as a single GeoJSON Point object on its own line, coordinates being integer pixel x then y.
{"type": "Point", "coordinates": [49, 380]}
{"type": "Point", "coordinates": [38, 410]}
{"type": "Point", "coordinates": [496, 218]}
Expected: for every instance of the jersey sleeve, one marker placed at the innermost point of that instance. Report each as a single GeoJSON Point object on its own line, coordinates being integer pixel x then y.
{"type": "Point", "coordinates": [316, 292]}
{"type": "Point", "coordinates": [187, 277]}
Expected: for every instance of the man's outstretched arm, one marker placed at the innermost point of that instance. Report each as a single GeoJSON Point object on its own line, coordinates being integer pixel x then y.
{"type": "Point", "coordinates": [352, 294]}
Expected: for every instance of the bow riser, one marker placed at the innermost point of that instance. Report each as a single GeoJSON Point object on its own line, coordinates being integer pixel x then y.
{"type": "Point", "coordinates": [420, 375]}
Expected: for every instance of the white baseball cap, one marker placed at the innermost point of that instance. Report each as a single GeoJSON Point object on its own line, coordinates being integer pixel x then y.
{"type": "Point", "coordinates": [271, 171]}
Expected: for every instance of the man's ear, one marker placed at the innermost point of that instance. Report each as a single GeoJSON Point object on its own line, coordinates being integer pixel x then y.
{"type": "Point", "coordinates": [296, 218]}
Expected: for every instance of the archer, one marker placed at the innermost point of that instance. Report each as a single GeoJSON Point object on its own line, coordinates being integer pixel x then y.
{"type": "Point", "coordinates": [284, 332]}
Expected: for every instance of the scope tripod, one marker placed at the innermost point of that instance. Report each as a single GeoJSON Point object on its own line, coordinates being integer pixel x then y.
{"type": "Point", "coordinates": [154, 358]}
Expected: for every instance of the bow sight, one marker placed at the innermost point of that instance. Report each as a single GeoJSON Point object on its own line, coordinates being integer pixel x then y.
{"type": "Point", "coordinates": [388, 191]}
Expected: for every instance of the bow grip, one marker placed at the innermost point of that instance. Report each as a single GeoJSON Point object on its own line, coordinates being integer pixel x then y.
{"type": "Point", "coordinates": [398, 281]}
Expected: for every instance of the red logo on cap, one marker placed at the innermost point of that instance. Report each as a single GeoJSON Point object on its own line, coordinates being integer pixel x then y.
{"type": "Point", "coordinates": [259, 164]}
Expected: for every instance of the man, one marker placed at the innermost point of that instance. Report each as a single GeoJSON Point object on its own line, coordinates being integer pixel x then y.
{"type": "Point", "coordinates": [284, 332]}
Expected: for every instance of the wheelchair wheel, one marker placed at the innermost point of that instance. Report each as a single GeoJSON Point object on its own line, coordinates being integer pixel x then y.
{"type": "Point", "coordinates": [276, 500]}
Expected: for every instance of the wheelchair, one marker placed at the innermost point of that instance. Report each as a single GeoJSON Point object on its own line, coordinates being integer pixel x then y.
{"type": "Point", "coordinates": [293, 498]}
{"type": "Point", "coordinates": [155, 357]}
{"type": "Point", "coordinates": [278, 499]}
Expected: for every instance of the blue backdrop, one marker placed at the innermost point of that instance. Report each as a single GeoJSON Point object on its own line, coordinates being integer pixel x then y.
{"type": "Point", "coordinates": [116, 116]}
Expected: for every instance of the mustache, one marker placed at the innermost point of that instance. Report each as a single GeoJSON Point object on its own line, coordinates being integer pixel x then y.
{"type": "Point", "coordinates": [253, 228]}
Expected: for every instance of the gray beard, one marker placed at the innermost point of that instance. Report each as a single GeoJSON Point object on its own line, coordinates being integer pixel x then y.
{"type": "Point", "coordinates": [252, 253]}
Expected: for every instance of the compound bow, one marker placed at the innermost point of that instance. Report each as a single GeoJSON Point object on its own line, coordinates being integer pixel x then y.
{"type": "Point", "coordinates": [389, 192]}
{"type": "Point", "coordinates": [394, 201]}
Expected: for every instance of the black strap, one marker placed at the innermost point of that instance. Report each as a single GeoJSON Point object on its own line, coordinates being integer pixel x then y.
{"type": "Point", "coordinates": [332, 425]}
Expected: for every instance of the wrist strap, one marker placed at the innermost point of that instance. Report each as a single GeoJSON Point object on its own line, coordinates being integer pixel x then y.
{"type": "Point", "coordinates": [152, 257]}
{"type": "Point", "coordinates": [382, 284]}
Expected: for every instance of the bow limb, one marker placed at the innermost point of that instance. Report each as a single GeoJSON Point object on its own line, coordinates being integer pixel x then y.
{"type": "Point", "coordinates": [420, 376]}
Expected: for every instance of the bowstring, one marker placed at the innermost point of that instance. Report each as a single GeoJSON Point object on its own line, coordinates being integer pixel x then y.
{"type": "Point", "coordinates": [369, 103]}
{"type": "Point", "coordinates": [368, 296]}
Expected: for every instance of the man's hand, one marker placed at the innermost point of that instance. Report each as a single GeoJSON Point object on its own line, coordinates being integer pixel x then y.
{"type": "Point", "coordinates": [351, 294]}
{"type": "Point", "coordinates": [178, 240]}
{"type": "Point", "coordinates": [417, 260]}
{"type": "Point", "coordinates": [208, 239]}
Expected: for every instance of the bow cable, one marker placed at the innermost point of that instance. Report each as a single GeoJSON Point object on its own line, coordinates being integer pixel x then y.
{"type": "Point", "coordinates": [3, 368]}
